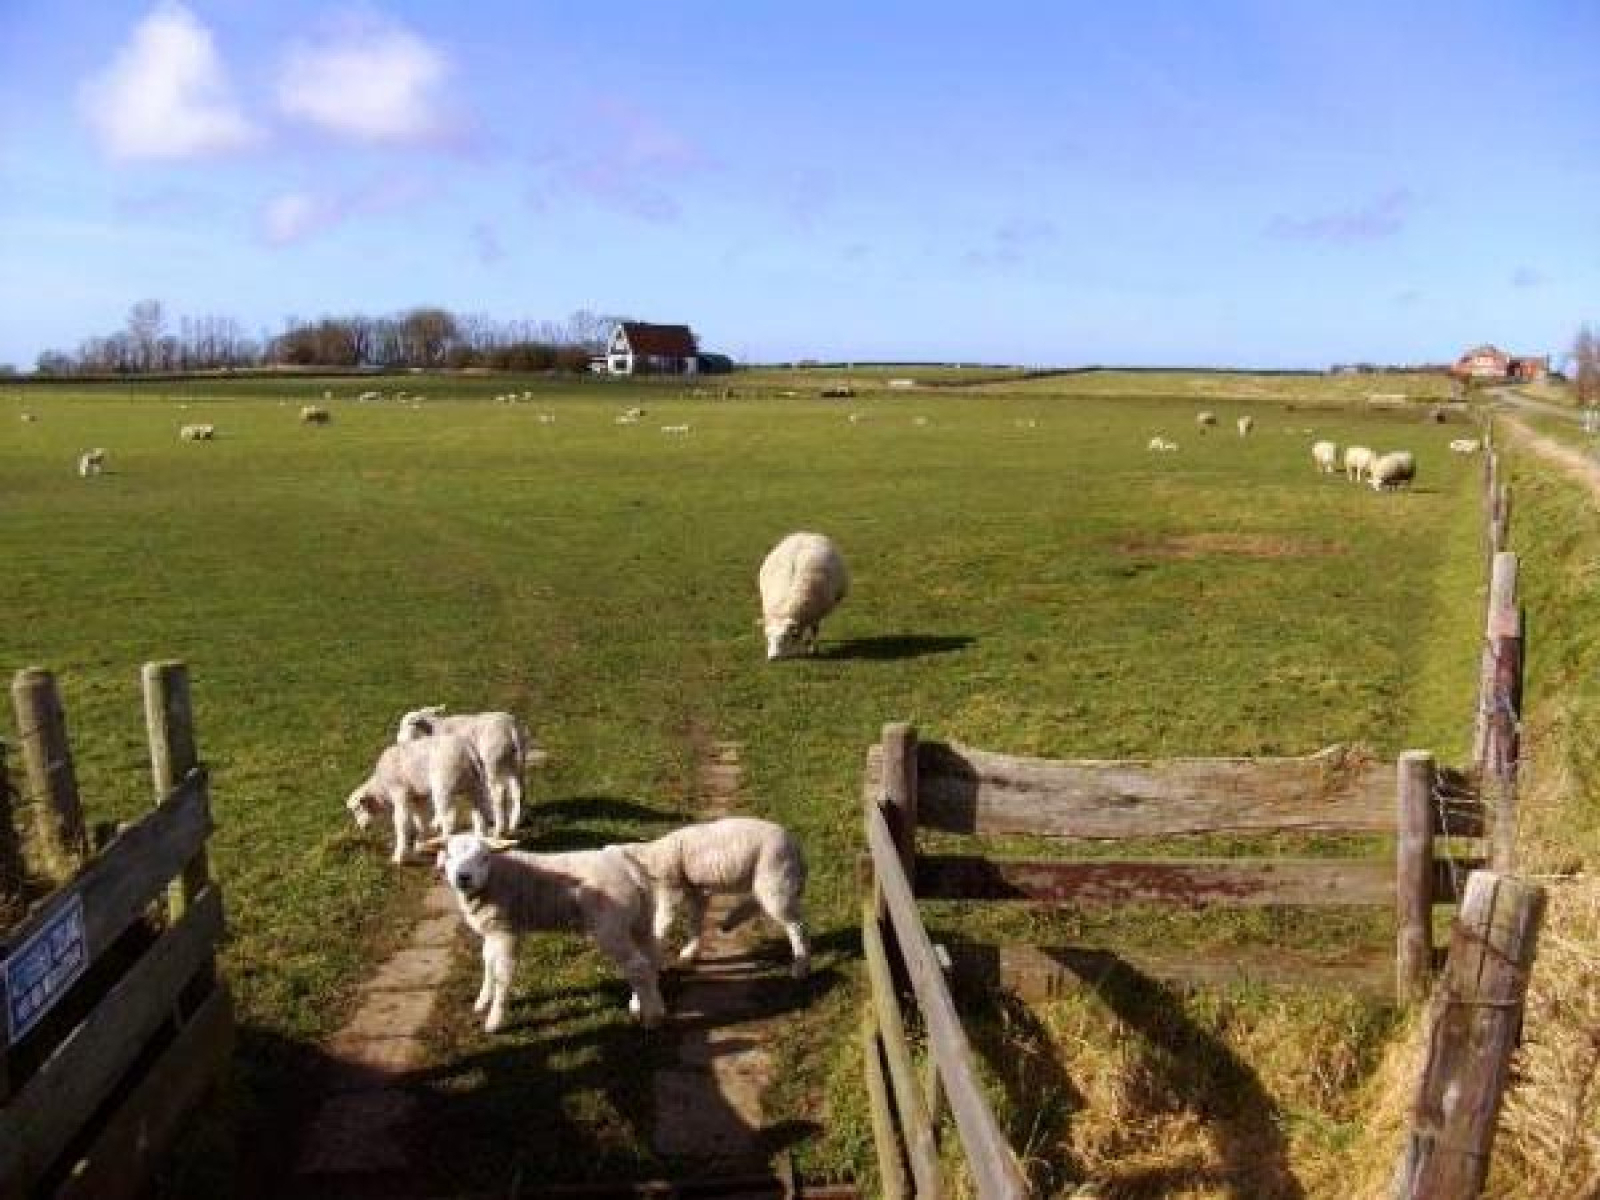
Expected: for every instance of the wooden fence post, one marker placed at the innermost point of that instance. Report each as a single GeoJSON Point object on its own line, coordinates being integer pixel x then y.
{"type": "Point", "coordinates": [1414, 876]}
{"type": "Point", "coordinates": [169, 721]}
{"type": "Point", "coordinates": [1475, 1022]}
{"type": "Point", "coordinates": [900, 792]}
{"type": "Point", "coordinates": [1502, 600]}
{"type": "Point", "coordinates": [13, 870]}
{"type": "Point", "coordinates": [1504, 738]}
{"type": "Point", "coordinates": [58, 828]}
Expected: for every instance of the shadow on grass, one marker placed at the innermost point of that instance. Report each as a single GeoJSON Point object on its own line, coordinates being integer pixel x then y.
{"type": "Point", "coordinates": [891, 647]}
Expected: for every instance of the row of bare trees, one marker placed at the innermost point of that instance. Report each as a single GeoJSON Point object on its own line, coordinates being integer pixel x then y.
{"type": "Point", "coordinates": [1586, 367]}
{"type": "Point", "coordinates": [418, 337]}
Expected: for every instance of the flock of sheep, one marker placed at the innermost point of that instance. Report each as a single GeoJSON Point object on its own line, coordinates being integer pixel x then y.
{"type": "Point", "coordinates": [625, 897]}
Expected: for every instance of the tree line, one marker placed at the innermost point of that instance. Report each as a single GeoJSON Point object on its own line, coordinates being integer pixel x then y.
{"type": "Point", "coordinates": [427, 337]}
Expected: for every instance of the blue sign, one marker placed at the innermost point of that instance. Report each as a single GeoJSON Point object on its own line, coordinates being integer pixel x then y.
{"type": "Point", "coordinates": [39, 971]}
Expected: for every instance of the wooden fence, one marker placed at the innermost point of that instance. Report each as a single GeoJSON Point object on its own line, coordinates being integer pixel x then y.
{"type": "Point", "coordinates": [116, 1021]}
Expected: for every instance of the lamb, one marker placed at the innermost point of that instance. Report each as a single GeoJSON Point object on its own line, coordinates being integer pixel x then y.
{"type": "Point", "coordinates": [91, 462]}
{"type": "Point", "coordinates": [197, 433]}
{"type": "Point", "coordinates": [501, 742]}
{"type": "Point", "coordinates": [1326, 456]}
{"type": "Point", "coordinates": [312, 414]}
{"type": "Point", "coordinates": [802, 580]}
{"type": "Point", "coordinates": [436, 769]}
{"type": "Point", "coordinates": [1245, 425]}
{"type": "Point", "coordinates": [1465, 446]}
{"type": "Point", "coordinates": [1160, 444]}
{"type": "Point", "coordinates": [675, 429]}
{"type": "Point", "coordinates": [28, 418]}
{"type": "Point", "coordinates": [625, 419]}
{"type": "Point", "coordinates": [1357, 462]}
{"type": "Point", "coordinates": [1391, 470]}
{"type": "Point", "coordinates": [758, 860]}
{"type": "Point", "coordinates": [1205, 419]}
{"type": "Point", "coordinates": [601, 893]}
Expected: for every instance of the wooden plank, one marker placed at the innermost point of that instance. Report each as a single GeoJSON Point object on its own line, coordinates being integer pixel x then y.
{"type": "Point", "coordinates": [922, 1147]}
{"type": "Point", "coordinates": [1048, 973]}
{"type": "Point", "coordinates": [1476, 1020]}
{"type": "Point", "coordinates": [1221, 882]}
{"type": "Point", "coordinates": [1505, 747]}
{"type": "Point", "coordinates": [52, 1106]}
{"type": "Point", "coordinates": [61, 841]}
{"type": "Point", "coordinates": [995, 1170]}
{"type": "Point", "coordinates": [973, 791]}
{"type": "Point", "coordinates": [133, 868]}
{"type": "Point", "coordinates": [1414, 877]}
{"type": "Point", "coordinates": [13, 871]}
{"type": "Point", "coordinates": [1502, 600]}
{"type": "Point", "coordinates": [885, 1137]}
{"type": "Point", "coordinates": [169, 723]}
{"type": "Point", "coordinates": [899, 799]}
{"type": "Point", "coordinates": [119, 1164]}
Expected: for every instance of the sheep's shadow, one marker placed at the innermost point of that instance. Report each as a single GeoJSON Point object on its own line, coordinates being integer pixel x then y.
{"type": "Point", "coordinates": [893, 647]}
{"type": "Point", "coordinates": [599, 808]}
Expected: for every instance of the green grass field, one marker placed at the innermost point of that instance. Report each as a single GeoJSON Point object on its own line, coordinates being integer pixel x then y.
{"type": "Point", "coordinates": [1046, 588]}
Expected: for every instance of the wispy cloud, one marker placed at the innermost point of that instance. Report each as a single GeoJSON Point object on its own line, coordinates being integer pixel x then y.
{"type": "Point", "coordinates": [1383, 216]}
{"type": "Point", "coordinates": [629, 161]}
{"type": "Point", "coordinates": [1527, 277]}
{"type": "Point", "coordinates": [1013, 242]}
{"type": "Point", "coordinates": [165, 95]}
{"type": "Point", "coordinates": [297, 215]}
{"type": "Point", "coordinates": [371, 80]}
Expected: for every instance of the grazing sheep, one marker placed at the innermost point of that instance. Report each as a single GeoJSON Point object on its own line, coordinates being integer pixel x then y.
{"type": "Point", "coordinates": [1205, 420]}
{"type": "Point", "coordinates": [91, 462]}
{"type": "Point", "coordinates": [743, 856]}
{"type": "Point", "coordinates": [1326, 456]}
{"type": "Point", "coordinates": [1391, 470]}
{"type": "Point", "coordinates": [854, 418]}
{"type": "Point", "coordinates": [502, 745]}
{"type": "Point", "coordinates": [547, 418]}
{"type": "Point", "coordinates": [635, 413]}
{"type": "Point", "coordinates": [1245, 425]}
{"type": "Point", "coordinates": [1465, 446]}
{"type": "Point", "coordinates": [802, 580]}
{"type": "Point", "coordinates": [1357, 462]}
{"type": "Point", "coordinates": [598, 892]}
{"type": "Point", "coordinates": [312, 414]}
{"type": "Point", "coordinates": [625, 419]}
{"type": "Point", "coordinates": [28, 418]}
{"type": "Point", "coordinates": [1026, 423]}
{"type": "Point", "coordinates": [674, 429]}
{"type": "Point", "coordinates": [436, 769]}
{"type": "Point", "coordinates": [1161, 445]}
{"type": "Point", "coordinates": [197, 433]}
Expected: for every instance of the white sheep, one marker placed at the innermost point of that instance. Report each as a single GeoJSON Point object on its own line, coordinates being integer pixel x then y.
{"type": "Point", "coordinates": [1326, 456]}
{"type": "Point", "coordinates": [1391, 470]}
{"type": "Point", "coordinates": [625, 419]}
{"type": "Point", "coordinates": [635, 413]}
{"type": "Point", "coordinates": [197, 433]}
{"type": "Point", "coordinates": [311, 414]}
{"type": "Point", "coordinates": [1204, 420]}
{"type": "Point", "coordinates": [502, 744]}
{"type": "Point", "coordinates": [675, 429]}
{"type": "Point", "coordinates": [1357, 462]}
{"type": "Point", "coordinates": [599, 892]}
{"type": "Point", "coordinates": [28, 418]}
{"type": "Point", "coordinates": [1245, 425]}
{"type": "Point", "coordinates": [547, 418]}
{"type": "Point", "coordinates": [91, 462]}
{"type": "Point", "coordinates": [741, 856]}
{"type": "Point", "coordinates": [1465, 445]}
{"type": "Point", "coordinates": [802, 580]}
{"type": "Point", "coordinates": [435, 769]}
{"type": "Point", "coordinates": [1161, 445]}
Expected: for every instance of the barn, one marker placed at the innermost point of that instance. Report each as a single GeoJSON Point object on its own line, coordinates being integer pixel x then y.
{"type": "Point", "coordinates": [637, 348]}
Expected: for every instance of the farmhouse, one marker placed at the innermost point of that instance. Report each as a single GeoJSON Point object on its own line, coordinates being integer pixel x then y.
{"type": "Point", "coordinates": [1490, 362]}
{"type": "Point", "coordinates": [636, 348]}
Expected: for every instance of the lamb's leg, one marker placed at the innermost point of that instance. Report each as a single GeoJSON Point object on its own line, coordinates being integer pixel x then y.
{"type": "Point", "coordinates": [666, 910]}
{"type": "Point", "coordinates": [513, 802]}
{"type": "Point", "coordinates": [640, 972]}
{"type": "Point", "coordinates": [694, 905]}
{"type": "Point", "coordinates": [486, 992]}
{"type": "Point", "coordinates": [782, 904]}
{"type": "Point", "coordinates": [501, 959]}
{"type": "Point", "coordinates": [401, 813]}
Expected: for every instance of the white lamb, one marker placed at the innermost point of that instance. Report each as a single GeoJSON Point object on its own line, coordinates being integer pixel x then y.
{"type": "Point", "coordinates": [502, 743]}
{"type": "Point", "coordinates": [91, 462]}
{"type": "Point", "coordinates": [1245, 425]}
{"type": "Point", "coordinates": [1465, 445]}
{"type": "Point", "coordinates": [1391, 470]}
{"type": "Point", "coordinates": [311, 414]}
{"type": "Point", "coordinates": [1204, 420]}
{"type": "Point", "coordinates": [1161, 445]}
{"type": "Point", "coordinates": [1326, 456]}
{"type": "Point", "coordinates": [742, 856]}
{"type": "Point", "coordinates": [197, 433]}
{"type": "Point", "coordinates": [599, 892]}
{"type": "Point", "coordinates": [675, 429]}
{"type": "Point", "coordinates": [435, 770]}
{"type": "Point", "coordinates": [802, 580]}
{"type": "Point", "coordinates": [1357, 462]}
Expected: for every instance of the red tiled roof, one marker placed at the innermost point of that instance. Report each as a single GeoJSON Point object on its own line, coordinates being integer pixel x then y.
{"type": "Point", "coordinates": [665, 341]}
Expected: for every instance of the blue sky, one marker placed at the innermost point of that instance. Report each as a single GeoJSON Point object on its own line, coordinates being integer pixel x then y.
{"type": "Point", "coordinates": [1270, 183]}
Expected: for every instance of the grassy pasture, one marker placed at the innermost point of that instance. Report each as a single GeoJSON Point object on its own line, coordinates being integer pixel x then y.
{"type": "Point", "coordinates": [1047, 589]}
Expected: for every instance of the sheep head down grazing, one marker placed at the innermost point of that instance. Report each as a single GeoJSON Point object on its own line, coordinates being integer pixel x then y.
{"type": "Point", "coordinates": [801, 581]}
{"type": "Point", "coordinates": [597, 892]}
{"type": "Point", "coordinates": [502, 743]}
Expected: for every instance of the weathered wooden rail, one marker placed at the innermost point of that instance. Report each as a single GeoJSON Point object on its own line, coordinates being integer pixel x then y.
{"type": "Point", "coordinates": [116, 1021]}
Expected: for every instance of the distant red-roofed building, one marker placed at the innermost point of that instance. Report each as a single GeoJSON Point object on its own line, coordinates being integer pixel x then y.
{"type": "Point", "coordinates": [638, 348]}
{"type": "Point", "coordinates": [1490, 362]}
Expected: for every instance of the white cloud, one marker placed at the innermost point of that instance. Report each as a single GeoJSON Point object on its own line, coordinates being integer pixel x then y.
{"type": "Point", "coordinates": [370, 81]}
{"type": "Point", "coordinates": [165, 95]}
{"type": "Point", "coordinates": [293, 216]}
